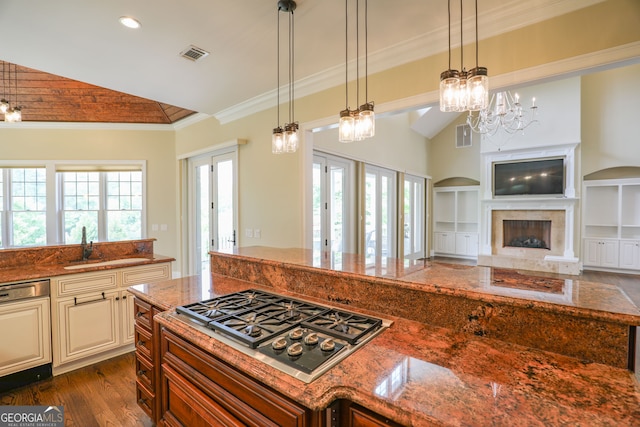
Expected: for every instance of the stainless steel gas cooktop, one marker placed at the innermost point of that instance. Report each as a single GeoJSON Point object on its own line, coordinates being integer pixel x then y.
{"type": "Point", "coordinates": [301, 338]}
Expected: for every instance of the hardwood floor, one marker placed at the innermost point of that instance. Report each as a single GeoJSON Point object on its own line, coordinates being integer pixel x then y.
{"type": "Point", "coordinates": [98, 395]}
{"type": "Point", "coordinates": [104, 394]}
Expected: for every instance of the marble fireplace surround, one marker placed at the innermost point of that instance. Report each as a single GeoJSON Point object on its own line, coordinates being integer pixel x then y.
{"type": "Point", "coordinates": [561, 211]}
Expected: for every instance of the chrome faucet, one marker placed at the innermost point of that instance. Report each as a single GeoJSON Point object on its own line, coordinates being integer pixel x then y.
{"type": "Point", "coordinates": [86, 251]}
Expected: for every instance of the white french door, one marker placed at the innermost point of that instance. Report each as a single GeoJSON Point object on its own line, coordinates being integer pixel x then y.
{"type": "Point", "coordinates": [212, 208]}
{"type": "Point", "coordinates": [333, 204]}
{"type": "Point", "coordinates": [414, 208]}
{"type": "Point", "coordinates": [380, 213]}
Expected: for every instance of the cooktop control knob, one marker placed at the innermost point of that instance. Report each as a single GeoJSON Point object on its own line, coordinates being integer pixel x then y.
{"type": "Point", "coordinates": [296, 334]}
{"type": "Point", "coordinates": [311, 339]}
{"type": "Point", "coordinates": [294, 349]}
{"type": "Point", "coordinates": [279, 344]}
{"type": "Point", "coordinates": [327, 345]}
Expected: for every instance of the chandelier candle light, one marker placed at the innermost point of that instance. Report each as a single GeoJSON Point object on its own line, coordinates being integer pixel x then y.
{"type": "Point", "coordinates": [504, 113]}
{"type": "Point", "coordinates": [358, 124]}
{"type": "Point", "coordinates": [464, 91]}
{"type": "Point", "coordinates": [286, 140]}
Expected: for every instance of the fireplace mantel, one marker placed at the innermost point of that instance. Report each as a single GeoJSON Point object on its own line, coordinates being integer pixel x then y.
{"type": "Point", "coordinates": [561, 261]}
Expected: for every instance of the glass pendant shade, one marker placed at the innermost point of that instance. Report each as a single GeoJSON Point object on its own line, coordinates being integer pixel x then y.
{"type": "Point", "coordinates": [367, 120]}
{"type": "Point", "coordinates": [347, 127]}
{"type": "Point", "coordinates": [277, 141]}
{"type": "Point", "coordinates": [477, 89]}
{"type": "Point", "coordinates": [449, 90]}
{"type": "Point", "coordinates": [13, 115]}
{"type": "Point", "coordinates": [291, 137]}
{"type": "Point", "coordinates": [4, 106]}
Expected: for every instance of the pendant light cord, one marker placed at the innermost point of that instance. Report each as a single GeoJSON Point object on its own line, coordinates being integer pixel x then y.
{"type": "Point", "coordinates": [476, 34]}
{"type": "Point", "coordinates": [449, 15]}
{"type": "Point", "coordinates": [278, 67]}
{"type": "Point", "coordinates": [461, 43]}
{"type": "Point", "coordinates": [366, 51]}
{"type": "Point", "coordinates": [291, 68]}
{"type": "Point", "coordinates": [357, 52]}
{"type": "Point", "coordinates": [346, 54]}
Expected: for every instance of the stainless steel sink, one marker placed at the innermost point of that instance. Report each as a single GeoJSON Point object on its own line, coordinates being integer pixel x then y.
{"type": "Point", "coordinates": [104, 263]}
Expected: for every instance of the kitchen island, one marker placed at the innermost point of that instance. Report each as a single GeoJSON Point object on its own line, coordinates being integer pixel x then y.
{"type": "Point", "coordinates": [417, 372]}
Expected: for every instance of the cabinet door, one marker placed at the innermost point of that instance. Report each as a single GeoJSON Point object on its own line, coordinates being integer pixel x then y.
{"type": "Point", "coordinates": [26, 341]}
{"type": "Point", "coordinates": [630, 254]}
{"type": "Point", "coordinates": [467, 244]}
{"type": "Point", "coordinates": [609, 253]}
{"type": "Point", "coordinates": [127, 315]}
{"type": "Point", "coordinates": [592, 252]}
{"type": "Point", "coordinates": [86, 325]}
{"type": "Point", "coordinates": [444, 242]}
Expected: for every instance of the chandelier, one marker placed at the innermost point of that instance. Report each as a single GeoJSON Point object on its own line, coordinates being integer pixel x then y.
{"type": "Point", "coordinates": [505, 113]}
{"type": "Point", "coordinates": [285, 138]}
{"type": "Point", "coordinates": [358, 124]}
{"type": "Point", "coordinates": [464, 91]}
{"type": "Point", "coordinates": [11, 113]}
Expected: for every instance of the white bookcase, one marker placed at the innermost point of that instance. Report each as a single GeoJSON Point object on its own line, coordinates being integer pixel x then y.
{"type": "Point", "coordinates": [611, 223]}
{"type": "Point", "coordinates": [455, 221]}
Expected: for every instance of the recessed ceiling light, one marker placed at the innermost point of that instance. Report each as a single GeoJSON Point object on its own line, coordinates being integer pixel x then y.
{"type": "Point", "coordinates": [129, 22]}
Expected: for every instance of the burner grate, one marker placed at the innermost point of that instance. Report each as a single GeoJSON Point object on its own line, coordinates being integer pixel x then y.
{"type": "Point", "coordinates": [347, 326]}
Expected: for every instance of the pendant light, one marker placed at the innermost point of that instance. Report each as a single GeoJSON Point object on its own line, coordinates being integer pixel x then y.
{"type": "Point", "coordinates": [449, 79]}
{"type": "Point", "coordinates": [285, 138]}
{"type": "Point", "coordinates": [477, 82]}
{"type": "Point", "coordinates": [464, 91]}
{"type": "Point", "coordinates": [358, 124]}
{"type": "Point", "coordinates": [366, 114]}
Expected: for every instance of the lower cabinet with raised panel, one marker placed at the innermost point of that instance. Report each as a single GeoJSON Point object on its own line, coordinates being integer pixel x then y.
{"type": "Point", "coordinates": [92, 314]}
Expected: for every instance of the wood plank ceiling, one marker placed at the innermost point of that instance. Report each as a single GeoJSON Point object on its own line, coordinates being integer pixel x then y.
{"type": "Point", "coordinates": [49, 98]}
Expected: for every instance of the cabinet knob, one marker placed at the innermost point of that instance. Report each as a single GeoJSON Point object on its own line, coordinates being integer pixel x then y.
{"type": "Point", "coordinates": [141, 372]}
{"type": "Point", "coordinates": [141, 342]}
{"type": "Point", "coordinates": [139, 314]}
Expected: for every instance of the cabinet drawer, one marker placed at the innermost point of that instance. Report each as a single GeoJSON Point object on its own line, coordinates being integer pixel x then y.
{"type": "Point", "coordinates": [144, 371]}
{"type": "Point", "coordinates": [144, 342]}
{"type": "Point", "coordinates": [249, 401]}
{"type": "Point", "coordinates": [84, 282]}
{"type": "Point", "coordinates": [145, 273]}
{"type": "Point", "coordinates": [145, 399]}
{"type": "Point", "coordinates": [143, 313]}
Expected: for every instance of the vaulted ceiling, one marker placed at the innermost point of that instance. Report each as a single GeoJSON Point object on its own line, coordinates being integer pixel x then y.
{"type": "Point", "coordinates": [140, 76]}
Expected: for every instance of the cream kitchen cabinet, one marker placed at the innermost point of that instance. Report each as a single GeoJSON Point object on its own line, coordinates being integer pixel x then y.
{"type": "Point", "coordinates": [93, 313]}
{"type": "Point", "coordinates": [630, 254]}
{"type": "Point", "coordinates": [456, 219]}
{"type": "Point", "coordinates": [601, 253]}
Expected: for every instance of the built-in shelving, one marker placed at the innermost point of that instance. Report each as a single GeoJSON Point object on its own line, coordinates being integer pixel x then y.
{"type": "Point", "coordinates": [611, 223]}
{"type": "Point", "coordinates": [456, 220]}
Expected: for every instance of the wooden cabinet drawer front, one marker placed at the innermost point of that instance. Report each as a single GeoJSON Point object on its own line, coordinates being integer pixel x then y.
{"type": "Point", "coordinates": [88, 282]}
{"type": "Point", "coordinates": [360, 417]}
{"type": "Point", "coordinates": [144, 371]}
{"type": "Point", "coordinates": [185, 405]}
{"type": "Point", "coordinates": [144, 342]}
{"type": "Point", "coordinates": [251, 402]}
{"type": "Point", "coordinates": [145, 399]}
{"type": "Point", "coordinates": [146, 273]}
{"type": "Point", "coordinates": [143, 313]}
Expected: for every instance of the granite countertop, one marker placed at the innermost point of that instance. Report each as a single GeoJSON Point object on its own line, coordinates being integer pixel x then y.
{"type": "Point", "coordinates": [419, 374]}
{"type": "Point", "coordinates": [566, 294]}
{"type": "Point", "coordinates": [44, 270]}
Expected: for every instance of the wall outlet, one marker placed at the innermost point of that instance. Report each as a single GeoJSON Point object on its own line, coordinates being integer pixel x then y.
{"type": "Point", "coordinates": [248, 232]}
{"type": "Point", "coordinates": [257, 233]}
{"type": "Point", "coordinates": [154, 227]}
{"type": "Point", "coordinates": [163, 227]}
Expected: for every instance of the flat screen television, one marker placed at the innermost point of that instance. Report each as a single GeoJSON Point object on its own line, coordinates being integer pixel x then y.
{"type": "Point", "coordinates": [529, 177]}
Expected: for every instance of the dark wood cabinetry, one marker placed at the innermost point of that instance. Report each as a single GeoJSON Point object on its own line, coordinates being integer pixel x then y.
{"type": "Point", "coordinates": [198, 389]}
{"type": "Point", "coordinates": [147, 358]}
{"type": "Point", "coordinates": [352, 415]}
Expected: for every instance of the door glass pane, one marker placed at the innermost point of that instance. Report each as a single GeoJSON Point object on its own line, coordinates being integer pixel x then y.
{"type": "Point", "coordinates": [202, 219]}
{"type": "Point", "coordinates": [337, 209]}
{"type": "Point", "coordinates": [385, 223]}
{"type": "Point", "coordinates": [414, 218]}
{"type": "Point", "coordinates": [370, 216]}
{"type": "Point", "coordinates": [317, 208]}
{"type": "Point", "coordinates": [224, 204]}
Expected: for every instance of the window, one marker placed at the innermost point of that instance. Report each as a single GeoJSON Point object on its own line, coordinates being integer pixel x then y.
{"type": "Point", "coordinates": [24, 206]}
{"type": "Point", "coordinates": [107, 204]}
{"type": "Point", "coordinates": [36, 209]}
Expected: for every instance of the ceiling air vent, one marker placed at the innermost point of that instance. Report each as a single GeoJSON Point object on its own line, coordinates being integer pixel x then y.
{"type": "Point", "coordinates": [463, 136]}
{"type": "Point", "coordinates": [194, 53]}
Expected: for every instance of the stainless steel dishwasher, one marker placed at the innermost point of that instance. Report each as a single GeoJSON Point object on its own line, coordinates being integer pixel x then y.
{"type": "Point", "coordinates": [25, 328]}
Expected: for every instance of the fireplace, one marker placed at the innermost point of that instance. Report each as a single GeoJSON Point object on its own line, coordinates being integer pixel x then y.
{"type": "Point", "coordinates": [533, 234]}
